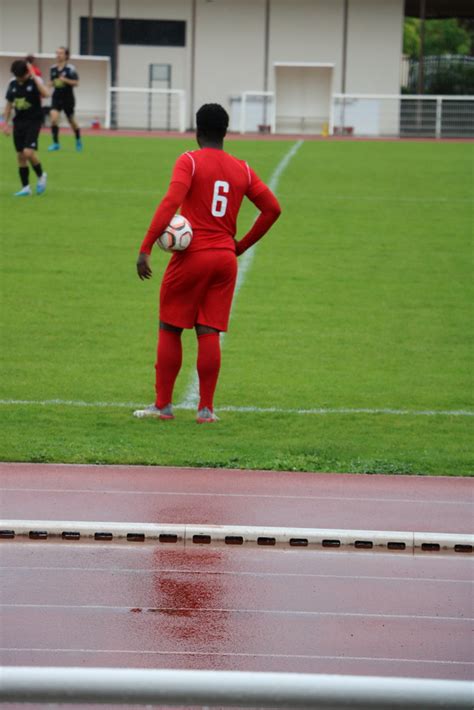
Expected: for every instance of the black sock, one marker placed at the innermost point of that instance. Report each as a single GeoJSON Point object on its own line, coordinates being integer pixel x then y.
{"type": "Point", "coordinates": [77, 131]}
{"type": "Point", "coordinates": [38, 169]}
{"type": "Point", "coordinates": [24, 172]}
{"type": "Point", "coordinates": [55, 132]}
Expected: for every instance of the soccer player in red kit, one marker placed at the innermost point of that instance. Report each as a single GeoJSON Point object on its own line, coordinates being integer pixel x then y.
{"type": "Point", "coordinates": [198, 285]}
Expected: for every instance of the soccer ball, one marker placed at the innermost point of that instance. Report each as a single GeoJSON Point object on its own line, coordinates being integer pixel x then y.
{"type": "Point", "coordinates": [177, 235]}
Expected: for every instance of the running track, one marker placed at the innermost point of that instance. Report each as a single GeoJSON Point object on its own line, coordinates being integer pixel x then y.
{"type": "Point", "coordinates": [153, 606]}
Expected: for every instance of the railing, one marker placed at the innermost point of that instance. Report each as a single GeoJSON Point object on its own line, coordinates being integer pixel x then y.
{"type": "Point", "coordinates": [146, 109]}
{"type": "Point", "coordinates": [396, 115]}
{"type": "Point", "coordinates": [229, 688]}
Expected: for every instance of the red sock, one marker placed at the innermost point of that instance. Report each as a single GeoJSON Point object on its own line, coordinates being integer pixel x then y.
{"type": "Point", "coordinates": [168, 364]}
{"type": "Point", "coordinates": [208, 366]}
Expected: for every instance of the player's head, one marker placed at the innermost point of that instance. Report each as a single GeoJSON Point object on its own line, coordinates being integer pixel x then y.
{"type": "Point", "coordinates": [30, 59]}
{"type": "Point", "coordinates": [19, 69]}
{"type": "Point", "coordinates": [212, 122]}
{"type": "Point", "coordinates": [62, 54]}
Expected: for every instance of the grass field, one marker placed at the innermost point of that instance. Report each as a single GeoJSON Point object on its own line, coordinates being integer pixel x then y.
{"type": "Point", "coordinates": [359, 299]}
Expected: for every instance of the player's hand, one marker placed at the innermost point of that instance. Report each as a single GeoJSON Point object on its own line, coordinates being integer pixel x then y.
{"type": "Point", "coordinates": [30, 69]}
{"type": "Point", "coordinates": [143, 266]}
{"type": "Point", "coordinates": [6, 129]}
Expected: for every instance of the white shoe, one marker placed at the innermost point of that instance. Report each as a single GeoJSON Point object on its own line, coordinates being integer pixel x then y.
{"type": "Point", "coordinates": [24, 192]}
{"type": "Point", "coordinates": [41, 184]}
{"type": "Point", "coordinates": [155, 413]}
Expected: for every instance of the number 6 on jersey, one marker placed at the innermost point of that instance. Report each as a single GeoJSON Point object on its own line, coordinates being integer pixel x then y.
{"type": "Point", "coordinates": [219, 202]}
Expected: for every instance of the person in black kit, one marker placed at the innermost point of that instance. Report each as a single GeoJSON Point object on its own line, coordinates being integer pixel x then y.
{"type": "Point", "coordinates": [24, 94]}
{"type": "Point", "coordinates": [64, 78]}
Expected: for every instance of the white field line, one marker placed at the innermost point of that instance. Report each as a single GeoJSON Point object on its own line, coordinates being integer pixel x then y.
{"type": "Point", "coordinates": [191, 395]}
{"type": "Point", "coordinates": [317, 198]}
{"type": "Point", "coordinates": [237, 610]}
{"type": "Point", "coordinates": [236, 654]}
{"type": "Point", "coordinates": [245, 410]}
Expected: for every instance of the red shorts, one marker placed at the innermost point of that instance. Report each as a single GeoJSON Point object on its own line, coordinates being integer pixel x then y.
{"type": "Point", "coordinates": [197, 287]}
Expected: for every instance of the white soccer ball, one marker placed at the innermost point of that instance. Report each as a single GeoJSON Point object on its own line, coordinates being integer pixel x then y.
{"type": "Point", "coordinates": [177, 235]}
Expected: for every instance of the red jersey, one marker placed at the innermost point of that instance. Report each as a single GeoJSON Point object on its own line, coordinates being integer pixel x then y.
{"type": "Point", "coordinates": [217, 183]}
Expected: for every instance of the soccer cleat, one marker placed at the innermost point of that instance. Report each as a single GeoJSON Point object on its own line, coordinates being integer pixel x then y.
{"type": "Point", "coordinates": [206, 416]}
{"type": "Point", "coordinates": [41, 185]}
{"type": "Point", "coordinates": [24, 192]}
{"type": "Point", "coordinates": [54, 146]}
{"type": "Point", "coordinates": [155, 413]}
{"type": "Point", "coordinates": [79, 146]}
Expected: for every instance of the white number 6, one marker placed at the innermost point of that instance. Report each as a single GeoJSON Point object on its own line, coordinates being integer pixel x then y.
{"type": "Point", "coordinates": [219, 202]}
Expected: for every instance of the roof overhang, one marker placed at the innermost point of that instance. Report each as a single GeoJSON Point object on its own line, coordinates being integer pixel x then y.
{"type": "Point", "coordinates": [439, 9]}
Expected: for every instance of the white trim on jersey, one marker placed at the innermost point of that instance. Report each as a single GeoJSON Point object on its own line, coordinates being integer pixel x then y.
{"type": "Point", "coordinates": [248, 171]}
{"type": "Point", "coordinates": [192, 161]}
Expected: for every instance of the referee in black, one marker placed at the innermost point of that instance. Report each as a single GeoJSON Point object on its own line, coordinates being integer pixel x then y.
{"type": "Point", "coordinates": [64, 78]}
{"type": "Point", "coordinates": [24, 95]}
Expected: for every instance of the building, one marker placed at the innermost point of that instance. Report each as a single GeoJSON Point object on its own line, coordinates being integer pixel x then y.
{"type": "Point", "coordinates": [301, 51]}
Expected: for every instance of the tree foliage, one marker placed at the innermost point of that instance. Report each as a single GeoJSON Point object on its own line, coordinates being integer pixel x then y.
{"type": "Point", "coordinates": [441, 37]}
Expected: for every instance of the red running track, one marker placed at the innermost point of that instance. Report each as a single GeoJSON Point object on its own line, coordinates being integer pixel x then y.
{"type": "Point", "coordinates": [147, 606]}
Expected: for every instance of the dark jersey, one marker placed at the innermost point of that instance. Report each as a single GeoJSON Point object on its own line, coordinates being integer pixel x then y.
{"type": "Point", "coordinates": [62, 90]}
{"type": "Point", "coordinates": [26, 100]}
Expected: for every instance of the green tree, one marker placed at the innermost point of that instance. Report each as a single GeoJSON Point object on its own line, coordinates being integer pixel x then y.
{"type": "Point", "coordinates": [441, 37]}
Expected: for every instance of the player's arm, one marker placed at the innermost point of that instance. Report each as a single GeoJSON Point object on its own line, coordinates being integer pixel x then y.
{"type": "Point", "coordinates": [39, 83]}
{"type": "Point", "coordinates": [70, 82]}
{"type": "Point", "coordinates": [6, 117]}
{"type": "Point", "coordinates": [270, 210]}
{"type": "Point", "coordinates": [165, 211]}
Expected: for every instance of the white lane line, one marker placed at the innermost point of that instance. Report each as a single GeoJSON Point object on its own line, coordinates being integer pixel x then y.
{"type": "Point", "coordinates": [140, 652]}
{"type": "Point", "coordinates": [230, 573]}
{"type": "Point", "coordinates": [147, 609]}
{"type": "Point", "coordinates": [188, 404]}
{"type": "Point", "coordinates": [112, 491]}
{"type": "Point", "coordinates": [191, 396]}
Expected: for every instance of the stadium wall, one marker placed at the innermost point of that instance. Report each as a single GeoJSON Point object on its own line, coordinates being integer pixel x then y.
{"type": "Point", "coordinates": [230, 53]}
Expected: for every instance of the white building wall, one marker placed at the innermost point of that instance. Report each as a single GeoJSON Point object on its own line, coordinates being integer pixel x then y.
{"type": "Point", "coordinates": [230, 34]}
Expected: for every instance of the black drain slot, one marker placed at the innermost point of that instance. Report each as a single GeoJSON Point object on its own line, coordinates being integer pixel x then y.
{"type": "Point", "coordinates": [396, 546]}
{"type": "Point", "coordinates": [462, 548]}
{"type": "Point", "coordinates": [331, 543]}
{"type": "Point", "coordinates": [430, 547]}
{"type": "Point", "coordinates": [7, 534]}
{"type": "Point", "coordinates": [298, 542]}
{"type": "Point", "coordinates": [168, 537]}
{"type": "Point", "coordinates": [234, 540]}
{"type": "Point", "coordinates": [364, 544]}
{"type": "Point", "coordinates": [136, 537]}
{"type": "Point", "coordinates": [269, 541]}
{"type": "Point", "coordinates": [70, 535]}
{"type": "Point", "coordinates": [103, 536]}
{"type": "Point", "coordinates": [202, 539]}
{"type": "Point", "coordinates": [38, 535]}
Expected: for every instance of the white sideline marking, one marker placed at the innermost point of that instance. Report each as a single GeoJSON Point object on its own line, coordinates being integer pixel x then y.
{"type": "Point", "coordinates": [236, 654]}
{"type": "Point", "coordinates": [231, 573]}
{"type": "Point", "coordinates": [230, 610]}
{"type": "Point", "coordinates": [250, 409]}
{"type": "Point", "coordinates": [191, 395]}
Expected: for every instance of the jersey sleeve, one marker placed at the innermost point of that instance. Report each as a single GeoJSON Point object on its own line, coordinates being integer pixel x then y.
{"type": "Point", "coordinates": [72, 73]}
{"type": "Point", "coordinates": [9, 94]}
{"type": "Point", "coordinates": [183, 170]}
{"type": "Point", "coordinates": [256, 185]}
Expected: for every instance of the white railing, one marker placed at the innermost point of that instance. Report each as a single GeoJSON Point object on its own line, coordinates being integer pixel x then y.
{"type": "Point", "coordinates": [146, 109]}
{"type": "Point", "coordinates": [403, 115]}
{"type": "Point", "coordinates": [229, 688]}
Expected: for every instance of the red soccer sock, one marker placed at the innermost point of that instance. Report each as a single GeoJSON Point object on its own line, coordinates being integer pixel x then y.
{"type": "Point", "coordinates": [208, 366]}
{"type": "Point", "coordinates": [168, 365]}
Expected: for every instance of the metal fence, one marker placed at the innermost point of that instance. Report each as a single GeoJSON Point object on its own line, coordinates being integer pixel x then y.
{"type": "Point", "coordinates": [146, 109]}
{"type": "Point", "coordinates": [403, 116]}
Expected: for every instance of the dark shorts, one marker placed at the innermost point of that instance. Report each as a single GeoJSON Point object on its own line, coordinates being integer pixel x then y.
{"type": "Point", "coordinates": [66, 105]}
{"type": "Point", "coordinates": [197, 287]}
{"type": "Point", "coordinates": [25, 135]}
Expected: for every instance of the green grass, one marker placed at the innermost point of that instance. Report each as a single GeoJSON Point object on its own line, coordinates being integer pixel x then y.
{"type": "Point", "coordinates": [359, 297]}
